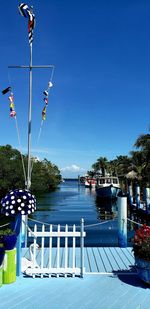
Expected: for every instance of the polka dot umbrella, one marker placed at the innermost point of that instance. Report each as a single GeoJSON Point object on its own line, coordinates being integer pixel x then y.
{"type": "Point", "coordinates": [18, 202]}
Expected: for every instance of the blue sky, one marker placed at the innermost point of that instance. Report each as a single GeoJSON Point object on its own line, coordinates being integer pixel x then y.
{"type": "Point", "coordinates": [100, 100]}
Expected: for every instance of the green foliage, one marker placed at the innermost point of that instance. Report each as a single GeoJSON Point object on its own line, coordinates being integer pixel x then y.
{"type": "Point", "coordinates": [138, 161]}
{"type": "Point", "coordinates": [6, 232]}
{"type": "Point", "coordinates": [11, 174]}
{"type": "Point", "coordinates": [45, 175]}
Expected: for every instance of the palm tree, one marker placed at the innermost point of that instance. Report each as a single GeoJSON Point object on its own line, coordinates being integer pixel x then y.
{"type": "Point", "coordinates": [143, 143]}
{"type": "Point", "coordinates": [101, 164]}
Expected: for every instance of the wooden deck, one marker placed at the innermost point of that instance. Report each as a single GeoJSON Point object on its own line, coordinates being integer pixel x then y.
{"type": "Point", "coordinates": [97, 260]}
{"type": "Point", "coordinates": [109, 283]}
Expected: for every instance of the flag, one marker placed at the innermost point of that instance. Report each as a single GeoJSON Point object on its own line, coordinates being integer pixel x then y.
{"type": "Point", "coordinates": [12, 113]}
{"type": "Point", "coordinates": [31, 25]}
{"type": "Point", "coordinates": [11, 98]}
{"type": "Point", "coordinates": [11, 105]}
{"type": "Point", "coordinates": [6, 90]}
{"type": "Point", "coordinates": [45, 93]}
{"type": "Point", "coordinates": [50, 85]}
{"type": "Point", "coordinates": [26, 12]}
{"type": "Point", "coordinates": [46, 101]}
{"type": "Point", "coordinates": [44, 113]}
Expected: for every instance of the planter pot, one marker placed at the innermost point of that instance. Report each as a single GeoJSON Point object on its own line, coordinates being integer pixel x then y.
{"type": "Point", "coordinates": [9, 241]}
{"type": "Point", "coordinates": [143, 268]}
{"type": "Point", "coordinates": [2, 252]}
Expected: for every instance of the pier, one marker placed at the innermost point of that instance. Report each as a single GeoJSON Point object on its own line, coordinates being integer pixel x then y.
{"type": "Point", "coordinates": [111, 283]}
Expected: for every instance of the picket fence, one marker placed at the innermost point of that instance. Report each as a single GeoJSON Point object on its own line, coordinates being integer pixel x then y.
{"type": "Point", "coordinates": [43, 259]}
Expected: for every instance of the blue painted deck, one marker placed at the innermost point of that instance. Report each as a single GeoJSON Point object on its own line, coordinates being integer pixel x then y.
{"type": "Point", "coordinates": [97, 260]}
{"type": "Point", "coordinates": [109, 282]}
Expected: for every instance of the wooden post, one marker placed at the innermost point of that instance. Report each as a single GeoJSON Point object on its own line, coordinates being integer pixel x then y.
{"type": "Point", "coordinates": [122, 221]}
{"type": "Point", "coordinates": [137, 196]}
{"type": "Point", "coordinates": [82, 246]}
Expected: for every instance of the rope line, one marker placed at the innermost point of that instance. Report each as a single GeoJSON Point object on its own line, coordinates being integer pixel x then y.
{"type": "Point", "coordinates": [19, 142]}
{"type": "Point", "coordinates": [134, 222]}
{"type": "Point", "coordinates": [4, 225]}
{"type": "Point", "coordinates": [18, 133]}
{"type": "Point", "coordinates": [77, 226]}
{"type": "Point", "coordinates": [28, 228]}
{"type": "Point", "coordinates": [40, 130]}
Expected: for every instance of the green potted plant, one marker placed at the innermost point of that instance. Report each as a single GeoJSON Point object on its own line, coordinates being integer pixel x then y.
{"type": "Point", "coordinates": [141, 250]}
{"type": "Point", "coordinates": [8, 238]}
{"type": "Point", "coordinates": [2, 252]}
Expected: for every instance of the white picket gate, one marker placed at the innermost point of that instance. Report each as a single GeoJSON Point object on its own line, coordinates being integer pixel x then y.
{"type": "Point", "coordinates": [49, 261]}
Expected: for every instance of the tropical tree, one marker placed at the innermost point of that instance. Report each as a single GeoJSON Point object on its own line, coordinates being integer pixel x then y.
{"type": "Point", "coordinates": [45, 175]}
{"type": "Point", "coordinates": [143, 144]}
{"type": "Point", "coordinates": [101, 165]}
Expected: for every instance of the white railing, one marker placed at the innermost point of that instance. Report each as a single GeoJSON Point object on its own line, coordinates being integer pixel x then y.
{"type": "Point", "coordinates": [57, 260]}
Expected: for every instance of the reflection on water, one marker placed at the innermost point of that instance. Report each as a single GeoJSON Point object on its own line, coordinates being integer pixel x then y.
{"type": "Point", "coordinates": [71, 202]}
{"type": "Point", "coordinates": [106, 209]}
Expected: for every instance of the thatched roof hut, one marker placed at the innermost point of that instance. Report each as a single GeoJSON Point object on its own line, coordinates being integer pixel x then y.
{"type": "Point", "coordinates": [132, 175]}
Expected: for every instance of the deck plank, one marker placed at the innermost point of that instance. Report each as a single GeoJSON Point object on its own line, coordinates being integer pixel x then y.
{"type": "Point", "coordinates": [96, 259]}
{"type": "Point", "coordinates": [99, 261]}
{"type": "Point", "coordinates": [118, 289]}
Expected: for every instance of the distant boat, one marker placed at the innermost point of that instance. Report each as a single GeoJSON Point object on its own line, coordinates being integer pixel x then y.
{"type": "Point", "coordinates": [90, 182]}
{"type": "Point", "coordinates": [108, 187]}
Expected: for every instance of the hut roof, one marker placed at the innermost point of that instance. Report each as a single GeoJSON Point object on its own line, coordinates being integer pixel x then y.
{"type": "Point", "coordinates": [131, 175]}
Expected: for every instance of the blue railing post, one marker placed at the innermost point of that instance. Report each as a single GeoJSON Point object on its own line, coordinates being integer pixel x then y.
{"type": "Point", "coordinates": [82, 246]}
{"type": "Point", "coordinates": [122, 221]}
{"type": "Point", "coordinates": [18, 266]}
{"type": "Point", "coordinates": [17, 229]}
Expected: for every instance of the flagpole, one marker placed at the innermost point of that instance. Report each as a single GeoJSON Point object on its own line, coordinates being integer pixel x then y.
{"type": "Point", "coordinates": [29, 121]}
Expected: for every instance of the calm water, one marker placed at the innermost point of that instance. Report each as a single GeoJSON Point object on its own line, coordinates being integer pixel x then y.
{"type": "Point", "coordinates": [70, 203]}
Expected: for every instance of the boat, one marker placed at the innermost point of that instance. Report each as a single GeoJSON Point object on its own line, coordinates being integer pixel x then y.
{"type": "Point", "coordinates": [90, 182]}
{"type": "Point", "coordinates": [108, 187]}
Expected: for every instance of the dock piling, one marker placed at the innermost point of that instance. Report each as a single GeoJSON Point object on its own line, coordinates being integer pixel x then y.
{"type": "Point", "coordinates": [122, 221]}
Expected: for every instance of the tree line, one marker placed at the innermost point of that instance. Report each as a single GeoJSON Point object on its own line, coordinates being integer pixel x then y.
{"type": "Point", "coordinates": [45, 175]}
{"type": "Point", "coordinates": [138, 162]}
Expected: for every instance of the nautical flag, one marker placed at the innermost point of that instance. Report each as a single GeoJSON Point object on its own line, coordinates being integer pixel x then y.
{"type": "Point", "coordinates": [46, 101]}
{"type": "Point", "coordinates": [11, 106]}
{"type": "Point", "coordinates": [44, 113]}
{"type": "Point", "coordinates": [11, 98]}
{"type": "Point", "coordinates": [12, 113]}
{"type": "Point", "coordinates": [26, 12]}
{"type": "Point", "coordinates": [6, 90]}
{"type": "Point", "coordinates": [50, 85]}
{"type": "Point", "coordinates": [31, 25]}
{"type": "Point", "coordinates": [24, 9]}
{"type": "Point", "coordinates": [45, 93]}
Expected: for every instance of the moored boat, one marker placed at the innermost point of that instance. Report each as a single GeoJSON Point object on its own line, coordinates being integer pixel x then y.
{"type": "Point", "coordinates": [108, 187]}
{"type": "Point", "coordinates": [90, 182]}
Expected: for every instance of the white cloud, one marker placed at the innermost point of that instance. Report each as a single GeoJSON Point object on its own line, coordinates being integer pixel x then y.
{"type": "Point", "coordinates": [72, 168]}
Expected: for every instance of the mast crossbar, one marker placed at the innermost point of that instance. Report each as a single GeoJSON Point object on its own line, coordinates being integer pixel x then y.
{"type": "Point", "coordinates": [31, 67]}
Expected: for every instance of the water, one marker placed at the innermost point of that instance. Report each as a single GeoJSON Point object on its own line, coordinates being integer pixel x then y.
{"type": "Point", "coordinates": [71, 202]}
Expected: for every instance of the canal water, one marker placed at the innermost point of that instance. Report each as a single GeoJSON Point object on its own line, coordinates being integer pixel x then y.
{"type": "Point", "coordinates": [71, 202]}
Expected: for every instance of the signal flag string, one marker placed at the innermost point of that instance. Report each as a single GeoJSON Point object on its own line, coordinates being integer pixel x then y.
{"type": "Point", "coordinates": [46, 99]}
{"type": "Point", "coordinates": [14, 115]}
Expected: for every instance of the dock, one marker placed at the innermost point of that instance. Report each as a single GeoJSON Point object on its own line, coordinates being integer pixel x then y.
{"type": "Point", "coordinates": [97, 260]}
{"type": "Point", "coordinates": [110, 281]}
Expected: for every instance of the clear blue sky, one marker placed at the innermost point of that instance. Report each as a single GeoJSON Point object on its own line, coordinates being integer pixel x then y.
{"type": "Point", "coordinates": [100, 101]}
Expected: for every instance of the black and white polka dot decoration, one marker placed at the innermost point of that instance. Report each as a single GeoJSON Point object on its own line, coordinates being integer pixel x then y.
{"type": "Point", "coordinates": [18, 202]}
